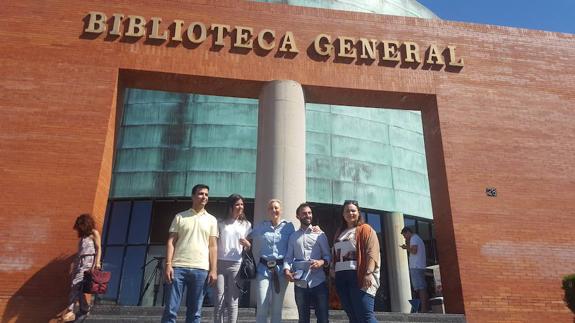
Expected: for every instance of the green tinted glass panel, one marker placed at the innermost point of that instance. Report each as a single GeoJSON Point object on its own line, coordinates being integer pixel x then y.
{"type": "Point", "coordinates": [376, 156]}
{"type": "Point", "coordinates": [169, 142]}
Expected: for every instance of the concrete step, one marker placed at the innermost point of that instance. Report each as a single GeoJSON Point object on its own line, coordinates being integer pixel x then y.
{"type": "Point", "coordinates": [120, 314]}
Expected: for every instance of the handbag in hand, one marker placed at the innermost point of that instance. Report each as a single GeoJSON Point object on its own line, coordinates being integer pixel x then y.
{"type": "Point", "coordinates": [248, 267]}
{"type": "Point", "coordinates": [96, 281]}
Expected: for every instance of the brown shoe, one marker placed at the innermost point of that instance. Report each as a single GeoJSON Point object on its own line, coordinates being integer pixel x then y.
{"type": "Point", "coordinates": [64, 311]}
{"type": "Point", "coordinates": [68, 317]}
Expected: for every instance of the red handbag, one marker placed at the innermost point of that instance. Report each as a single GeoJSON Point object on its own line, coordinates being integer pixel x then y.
{"type": "Point", "coordinates": [96, 281]}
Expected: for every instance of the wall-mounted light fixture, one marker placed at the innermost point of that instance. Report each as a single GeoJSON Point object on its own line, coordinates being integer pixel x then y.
{"type": "Point", "coordinates": [491, 192]}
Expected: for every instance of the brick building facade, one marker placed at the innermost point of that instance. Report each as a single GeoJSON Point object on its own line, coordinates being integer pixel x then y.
{"type": "Point", "coordinates": [504, 119]}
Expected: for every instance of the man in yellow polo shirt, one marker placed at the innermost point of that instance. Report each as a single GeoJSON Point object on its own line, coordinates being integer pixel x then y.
{"type": "Point", "coordinates": [191, 257]}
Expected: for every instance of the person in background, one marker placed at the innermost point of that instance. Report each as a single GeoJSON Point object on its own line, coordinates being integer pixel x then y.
{"type": "Point", "coordinates": [307, 254]}
{"type": "Point", "coordinates": [233, 231]}
{"type": "Point", "coordinates": [88, 257]}
{"type": "Point", "coordinates": [270, 240]}
{"type": "Point", "coordinates": [356, 260]}
{"type": "Point", "coordinates": [417, 263]}
{"type": "Point", "coordinates": [191, 257]}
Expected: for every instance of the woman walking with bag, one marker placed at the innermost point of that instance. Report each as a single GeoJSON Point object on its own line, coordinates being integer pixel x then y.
{"type": "Point", "coordinates": [88, 257]}
{"type": "Point", "coordinates": [356, 263]}
{"type": "Point", "coordinates": [233, 231]}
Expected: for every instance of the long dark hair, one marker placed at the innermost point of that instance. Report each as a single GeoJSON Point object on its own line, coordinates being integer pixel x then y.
{"type": "Point", "coordinates": [231, 201]}
{"type": "Point", "coordinates": [360, 219]}
{"type": "Point", "coordinates": [84, 225]}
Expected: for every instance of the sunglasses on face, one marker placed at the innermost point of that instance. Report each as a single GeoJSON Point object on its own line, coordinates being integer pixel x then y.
{"type": "Point", "coordinates": [354, 202]}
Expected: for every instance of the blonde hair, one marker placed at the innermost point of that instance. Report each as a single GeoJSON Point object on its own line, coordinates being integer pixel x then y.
{"type": "Point", "coordinates": [270, 202]}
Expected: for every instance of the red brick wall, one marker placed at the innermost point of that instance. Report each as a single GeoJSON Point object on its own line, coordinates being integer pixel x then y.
{"type": "Point", "coordinates": [505, 120]}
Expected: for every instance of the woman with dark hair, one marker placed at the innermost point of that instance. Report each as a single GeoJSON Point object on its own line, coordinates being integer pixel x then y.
{"type": "Point", "coordinates": [232, 240]}
{"type": "Point", "coordinates": [356, 264]}
{"type": "Point", "coordinates": [88, 257]}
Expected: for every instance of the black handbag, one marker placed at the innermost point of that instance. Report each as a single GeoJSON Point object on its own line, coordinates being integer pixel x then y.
{"type": "Point", "coordinates": [248, 267]}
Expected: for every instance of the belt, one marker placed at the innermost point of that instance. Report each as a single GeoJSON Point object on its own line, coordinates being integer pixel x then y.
{"type": "Point", "coordinates": [87, 255]}
{"type": "Point", "coordinates": [271, 264]}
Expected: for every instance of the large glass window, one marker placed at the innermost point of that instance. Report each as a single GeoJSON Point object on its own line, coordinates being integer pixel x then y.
{"type": "Point", "coordinates": [140, 222]}
{"type": "Point", "coordinates": [113, 263]}
{"type": "Point", "coordinates": [374, 220]}
{"type": "Point", "coordinates": [119, 220]}
{"type": "Point", "coordinates": [167, 141]}
{"type": "Point", "coordinates": [125, 242]}
{"type": "Point", "coordinates": [132, 275]}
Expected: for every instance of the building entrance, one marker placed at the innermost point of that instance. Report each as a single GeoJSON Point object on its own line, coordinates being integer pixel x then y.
{"type": "Point", "coordinates": [135, 233]}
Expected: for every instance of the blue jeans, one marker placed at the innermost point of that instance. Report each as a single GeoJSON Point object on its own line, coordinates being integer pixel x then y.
{"type": "Point", "coordinates": [358, 305]}
{"type": "Point", "coordinates": [269, 303]}
{"type": "Point", "coordinates": [319, 295]}
{"type": "Point", "coordinates": [194, 280]}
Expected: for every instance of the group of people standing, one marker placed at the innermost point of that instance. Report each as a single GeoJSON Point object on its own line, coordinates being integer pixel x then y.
{"type": "Point", "coordinates": [202, 250]}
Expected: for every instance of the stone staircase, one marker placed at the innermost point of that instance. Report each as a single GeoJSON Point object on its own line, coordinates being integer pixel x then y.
{"type": "Point", "coordinates": [121, 314]}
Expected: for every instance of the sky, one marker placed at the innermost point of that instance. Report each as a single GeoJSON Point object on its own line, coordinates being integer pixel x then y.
{"type": "Point", "coordinates": [550, 15]}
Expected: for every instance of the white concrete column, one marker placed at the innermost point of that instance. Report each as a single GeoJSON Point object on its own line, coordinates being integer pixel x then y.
{"type": "Point", "coordinates": [397, 264]}
{"type": "Point", "coordinates": [281, 168]}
